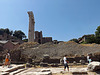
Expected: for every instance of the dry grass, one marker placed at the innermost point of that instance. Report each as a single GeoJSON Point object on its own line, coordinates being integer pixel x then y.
{"type": "Point", "coordinates": [69, 42]}
{"type": "Point", "coordinates": [28, 45]}
{"type": "Point", "coordinates": [88, 45]}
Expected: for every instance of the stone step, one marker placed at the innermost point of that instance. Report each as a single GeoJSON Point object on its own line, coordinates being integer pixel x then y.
{"type": "Point", "coordinates": [13, 68]}
{"type": "Point", "coordinates": [4, 73]}
{"type": "Point", "coordinates": [5, 70]}
{"type": "Point", "coordinates": [17, 71]}
{"type": "Point", "coordinates": [26, 70]}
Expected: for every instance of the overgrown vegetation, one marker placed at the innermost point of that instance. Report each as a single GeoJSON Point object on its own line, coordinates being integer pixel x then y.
{"type": "Point", "coordinates": [2, 31]}
{"type": "Point", "coordinates": [94, 38]}
{"type": "Point", "coordinates": [17, 33]}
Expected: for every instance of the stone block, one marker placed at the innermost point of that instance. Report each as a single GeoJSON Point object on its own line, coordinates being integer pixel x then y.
{"type": "Point", "coordinates": [43, 64]}
{"type": "Point", "coordinates": [93, 66]}
{"type": "Point", "coordinates": [4, 73]}
{"type": "Point", "coordinates": [45, 70]}
{"type": "Point", "coordinates": [43, 73]}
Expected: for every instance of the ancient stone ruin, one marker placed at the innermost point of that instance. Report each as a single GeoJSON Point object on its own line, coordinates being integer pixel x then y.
{"type": "Point", "coordinates": [40, 39]}
{"type": "Point", "coordinates": [38, 35]}
{"type": "Point", "coordinates": [31, 27]}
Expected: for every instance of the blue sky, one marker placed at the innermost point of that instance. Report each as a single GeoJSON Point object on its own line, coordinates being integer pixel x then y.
{"type": "Point", "coordinates": [61, 19]}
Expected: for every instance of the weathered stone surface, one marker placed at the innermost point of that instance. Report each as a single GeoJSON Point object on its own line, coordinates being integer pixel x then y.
{"type": "Point", "coordinates": [7, 71]}
{"type": "Point", "coordinates": [4, 73]}
{"type": "Point", "coordinates": [58, 50]}
{"type": "Point", "coordinates": [45, 70]}
{"type": "Point", "coordinates": [93, 66]}
{"type": "Point", "coordinates": [16, 71]}
{"type": "Point", "coordinates": [31, 27]}
{"type": "Point", "coordinates": [43, 73]}
{"type": "Point", "coordinates": [40, 72]}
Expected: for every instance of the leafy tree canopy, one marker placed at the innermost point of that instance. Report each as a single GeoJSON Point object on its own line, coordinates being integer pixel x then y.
{"type": "Point", "coordinates": [2, 31]}
{"type": "Point", "coordinates": [19, 34]}
{"type": "Point", "coordinates": [97, 32]}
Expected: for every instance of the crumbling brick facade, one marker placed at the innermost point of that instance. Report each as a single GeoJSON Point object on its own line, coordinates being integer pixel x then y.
{"type": "Point", "coordinates": [40, 39]}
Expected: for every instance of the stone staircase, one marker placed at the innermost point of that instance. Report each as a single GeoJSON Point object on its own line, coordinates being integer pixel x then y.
{"type": "Point", "coordinates": [12, 70]}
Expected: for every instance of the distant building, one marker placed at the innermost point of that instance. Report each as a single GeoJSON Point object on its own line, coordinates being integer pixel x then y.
{"type": "Point", "coordinates": [84, 38]}
{"type": "Point", "coordinates": [40, 39]}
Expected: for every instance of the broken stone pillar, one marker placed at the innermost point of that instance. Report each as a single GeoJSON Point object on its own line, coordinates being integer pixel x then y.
{"type": "Point", "coordinates": [31, 27]}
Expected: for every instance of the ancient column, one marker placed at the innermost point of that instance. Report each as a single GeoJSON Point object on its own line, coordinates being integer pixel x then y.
{"type": "Point", "coordinates": [31, 27]}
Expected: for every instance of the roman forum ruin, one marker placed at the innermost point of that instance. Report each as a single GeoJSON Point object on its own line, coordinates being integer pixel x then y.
{"type": "Point", "coordinates": [32, 33]}
{"type": "Point", "coordinates": [31, 27]}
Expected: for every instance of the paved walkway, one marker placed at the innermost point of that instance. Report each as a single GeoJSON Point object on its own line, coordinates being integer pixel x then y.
{"type": "Point", "coordinates": [19, 70]}
{"type": "Point", "coordinates": [36, 71]}
{"type": "Point", "coordinates": [58, 71]}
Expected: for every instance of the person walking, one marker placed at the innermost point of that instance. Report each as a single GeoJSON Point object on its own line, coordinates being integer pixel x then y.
{"type": "Point", "coordinates": [7, 60]}
{"type": "Point", "coordinates": [65, 63]}
{"type": "Point", "coordinates": [89, 58]}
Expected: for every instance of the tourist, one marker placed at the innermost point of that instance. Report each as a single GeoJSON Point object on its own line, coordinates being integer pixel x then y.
{"type": "Point", "coordinates": [89, 58]}
{"type": "Point", "coordinates": [7, 59]}
{"type": "Point", "coordinates": [66, 63]}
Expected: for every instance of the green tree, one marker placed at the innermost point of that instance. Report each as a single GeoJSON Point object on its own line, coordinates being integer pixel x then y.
{"type": "Point", "coordinates": [25, 40]}
{"type": "Point", "coordinates": [75, 40]}
{"type": "Point", "coordinates": [10, 32]}
{"type": "Point", "coordinates": [19, 34]}
{"type": "Point", "coordinates": [1, 31]}
{"type": "Point", "coordinates": [91, 39]}
{"type": "Point", "coordinates": [97, 35]}
{"type": "Point", "coordinates": [97, 32]}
